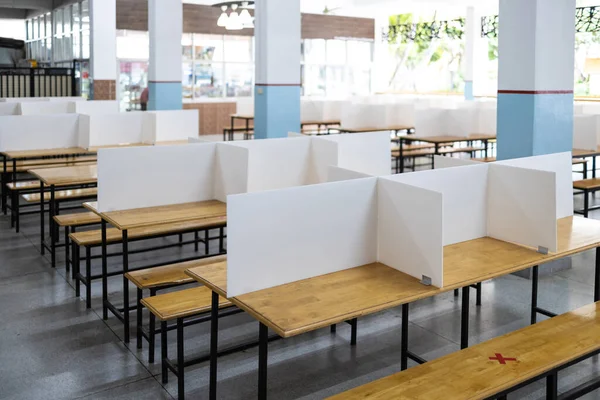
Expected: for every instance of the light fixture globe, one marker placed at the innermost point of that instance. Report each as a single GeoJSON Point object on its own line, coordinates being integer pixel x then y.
{"type": "Point", "coordinates": [234, 22]}
{"type": "Point", "coordinates": [223, 19]}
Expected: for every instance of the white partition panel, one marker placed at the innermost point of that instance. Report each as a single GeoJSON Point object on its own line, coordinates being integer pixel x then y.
{"type": "Point", "coordinates": [44, 107]}
{"type": "Point", "coordinates": [464, 191]}
{"type": "Point", "coordinates": [561, 164]}
{"type": "Point", "coordinates": [451, 162]}
{"type": "Point", "coordinates": [33, 132]}
{"type": "Point", "coordinates": [282, 236]}
{"type": "Point", "coordinates": [430, 122]}
{"type": "Point", "coordinates": [369, 153]}
{"type": "Point", "coordinates": [277, 163]}
{"type": "Point", "coordinates": [84, 131]}
{"type": "Point", "coordinates": [461, 122]}
{"type": "Point", "coordinates": [323, 153]}
{"type": "Point", "coordinates": [148, 176]}
{"type": "Point", "coordinates": [23, 99]}
{"type": "Point", "coordinates": [336, 174]}
{"type": "Point", "coordinates": [94, 107]}
{"type": "Point", "coordinates": [410, 234]}
{"type": "Point", "coordinates": [66, 99]}
{"type": "Point", "coordinates": [9, 109]}
{"type": "Point", "coordinates": [120, 128]}
{"type": "Point", "coordinates": [172, 125]}
{"type": "Point", "coordinates": [231, 171]}
{"type": "Point", "coordinates": [311, 110]}
{"type": "Point", "coordinates": [486, 119]}
{"type": "Point", "coordinates": [522, 206]}
{"type": "Point", "coordinates": [585, 132]}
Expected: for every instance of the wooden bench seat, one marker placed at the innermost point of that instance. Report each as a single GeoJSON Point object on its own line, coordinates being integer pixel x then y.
{"type": "Point", "coordinates": [62, 195]}
{"type": "Point", "coordinates": [169, 274]}
{"type": "Point", "coordinates": [24, 166]}
{"type": "Point", "coordinates": [494, 367]}
{"type": "Point", "coordinates": [587, 184]}
{"type": "Point", "coordinates": [78, 219]}
{"type": "Point", "coordinates": [23, 185]}
{"type": "Point", "coordinates": [94, 238]}
{"type": "Point", "coordinates": [445, 150]}
{"type": "Point", "coordinates": [182, 303]}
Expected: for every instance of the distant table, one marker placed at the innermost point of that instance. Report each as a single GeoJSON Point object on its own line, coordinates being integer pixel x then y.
{"type": "Point", "coordinates": [438, 141]}
{"type": "Point", "coordinates": [117, 146]}
{"type": "Point", "coordinates": [248, 130]}
{"type": "Point", "coordinates": [393, 128]}
{"type": "Point", "coordinates": [63, 177]}
{"type": "Point", "coordinates": [146, 218]}
{"type": "Point", "coordinates": [309, 304]}
{"type": "Point", "coordinates": [581, 153]}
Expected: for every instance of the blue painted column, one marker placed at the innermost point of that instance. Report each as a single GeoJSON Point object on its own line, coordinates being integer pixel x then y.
{"type": "Point", "coordinates": [277, 88]}
{"type": "Point", "coordinates": [165, 27]}
{"type": "Point", "coordinates": [535, 77]}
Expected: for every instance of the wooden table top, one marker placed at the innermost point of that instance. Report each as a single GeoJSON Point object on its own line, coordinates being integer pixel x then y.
{"type": "Point", "coordinates": [387, 128]}
{"type": "Point", "coordinates": [447, 139]}
{"type": "Point", "coordinates": [172, 143]}
{"type": "Point", "coordinates": [585, 153]}
{"type": "Point", "coordinates": [67, 151]}
{"type": "Point", "coordinates": [470, 374]}
{"type": "Point", "coordinates": [140, 217]}
{"type": "Point", "coordinates": [63, 176]}
{"type": "Point", "coordinates": [92, 206]}
{"type": "Point", "coordinates": [322, 122]}
{"type": "Point", "coordinates": [242, 116]}
{"type": "Point", "coordinates": [314, 303]}
{"type": "Point", "coordinates": [118, 145]}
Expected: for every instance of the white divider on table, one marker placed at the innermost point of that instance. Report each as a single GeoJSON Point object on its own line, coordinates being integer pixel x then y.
{"type": "Point", "coordinates": [298, 233]}
{"type": "Point", "coordinates": [311, 110]}
{"type": "Point", "coordinates": [32, 132]}
{"type": "Point", "coordinates": [410, 233]}
{"type": "Point", "coordinates": [231, 171]}
{"type": "Point", "coordinates": [111, 129]}
{"type": "Point", "coordinates": [336, 174]}
{"type": "Point", "coordinates": [198, 139]}
{"type": "Point", "coordinates": [23, 99]}
{"type": "Point", "coordinates": [94, 107]}
{"type": "Point", "coordinates": [522, 206]}
{"type": "Point", "coordinates": [586, 129]}
{"type": "Point", "coordinates": [486, 119]}
{"type": "Point", "coordinates": [369, 152]}
{"type": "Point", "coordinates": [44, 107]}
{"type": "Point", "coordinates": [461, 122]}
{"type": "Point", "coordinates": [430, 122]}
{"type": "Point", "coordinates": [324, 153]}
{"type": "Point", "coordinates": [561, 164]}
{"type": "Point", "coordinates": [464, 191]}
{"type": "Point", "coordinates": [277, 163]}
{"type": "Point", "coordinates": [9, 109]}
{"type": "Point", "coordinates": [451, 162]}
{"type": "Point", "coordinates": [172, 125]}
{"type": "Point", "coordinates": [294, 134]}
{"type": "Point", "coordinates": [148, 176]}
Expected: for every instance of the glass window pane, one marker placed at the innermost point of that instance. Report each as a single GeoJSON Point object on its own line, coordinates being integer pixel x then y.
{"type": "Point", "coordinates": [49, 48]}
{"type": "Point", "coordinates": [336, 81]}
{"type": "Point", "coordinates": [133, 45]}
{"type": "Point", "coordinates": [208, 81]}
{"type": "Point", "coordinates": [208, 47]}
{"type": "Point", "coordinates": [67, 20]}
{"type": "Point", "coordinates": [336, 52]}
{"type": "Point", "coordinates": [187, 80]}
{"type": "Point", "coordinates": [58, 23]}
{"type": "Point", "coordinates": [314, 51]}
{"type": "Point", "coordinates": [36, 28]}
{"type": "Point", "coordinates": [186, 47]}
{"type": "Point", "coordinates": [76, 17]}
{"type": "Point", "coordinates": [76, 44]}
{"type": "Point", "coordinates": [28, 29]}
{"type": "Point", "coordinates": [85, 44]}
{"type": "Point", "coordinates": [314, 80]}
{"type": "Point", "coordinates": [48, 25]}
{"type": "Point", "coordinates": [359, 52]}
{"type": "Point", "coordinates": [85, 15]}
{"type": "Point", "coordinates": [238, 80]}
{"type": "Point", "coordinates": [238, 48]}
{"type": "Point", "coordinates": [359, 81]}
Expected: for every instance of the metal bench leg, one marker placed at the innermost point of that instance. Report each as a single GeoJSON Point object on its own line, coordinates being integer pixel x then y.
{"type": "Point", "coordinates": [196, 238]}
{"type": "Point", "coordinates": [180, 361]}
{"type": "Point", "coordinates": [12, 209]}
{"type": "Point", "coordinates": [181, 239]}
{"type": "Point", "coordinates": [534, 294]}
{"type": "Point", "coordinates": [104, 273]}
{"type": "Point", "coordinates": [88, 277]}
{"type": "Point", "coordinates": [73, 274]}
{"type": "Point", "coordinates": [164, 352]}
{"type": "Point", "coordinates": [151, 333]}
{"type": "Point", "coordinates": [206, 243]}
{"type": "Point", "coordinates": [221, 240]}
{"type": "Point", "coordinates": [75, 252]}
{"type": "Point", "coordinates": [353, 325]}
{"type": "Point", "coordinates": [125, 286]}
{"type": "Point", "coordinates": [67, 258]}
{"type": "Point", "coordinates": [139, 318]}
{"type": "Point", "coordinates": [3, 182]}
{"type": "Point", "coordinates": [464, 318]}
{"type": "Point", "coordinates": [333, 328]}
{"type": "Point", "coordinates": [586, 204]}
{"type": "Point", "coordinates": [214, 345]}
{"type": "Point", "coordinates": [552, 386]}
{"type": "Point", "coordinates": [478, 302]}
{"type": "Point", "coordinates": [263, 348]}
{"type": "Point", "coordinates": [456, 292]}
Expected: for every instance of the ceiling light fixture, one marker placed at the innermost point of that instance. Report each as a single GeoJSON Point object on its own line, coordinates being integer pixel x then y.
{"type": "Point", "coordinates": [239, 17]}
{"type": "Point", "coordinates": [222, 21]}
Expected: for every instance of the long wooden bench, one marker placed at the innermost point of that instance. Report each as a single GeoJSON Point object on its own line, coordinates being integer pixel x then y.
{"type": "Point", "coordinates": [70, 223]}
{"type": "Point", "coordinates": [71, 194]}
{"type": "Point", "coordinates": [90, 239]}
{"type": "Point", "coordinates": [178, 306]}
{"type": "Point", "coordinates": [587, 186]}
{"type": "Point", "coordinates": [430, 152]}
{"type": "Point", "coordinates": [154, 279]}
{"type": "Point", "coordinates": [494, 368]}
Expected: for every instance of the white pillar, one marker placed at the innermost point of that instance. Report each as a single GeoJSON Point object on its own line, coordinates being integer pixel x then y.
{"type": "Point", "coordinates": [165, 28]}
{"type": "Point", "coordinates": [103, 49]}
{"type": "Point", "coordinates": [277, 88]}
{"type": "Point", "coordinates": [536, 49]}
{"type": "Point", "coordinates": [472, 23]}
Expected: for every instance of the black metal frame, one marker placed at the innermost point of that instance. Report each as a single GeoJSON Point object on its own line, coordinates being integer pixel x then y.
{"type": "Point", "coordinates": [27, 77]}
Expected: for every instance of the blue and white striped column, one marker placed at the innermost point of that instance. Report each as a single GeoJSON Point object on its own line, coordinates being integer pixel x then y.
{"type": "Point", "coordinates": [165, 27]}
{"type": "Point", "coordinates": [535, 77]}
{"type": "Point", "coordinates": [277, 87]}
{"type": "Point", "coordinates": [472, 29]}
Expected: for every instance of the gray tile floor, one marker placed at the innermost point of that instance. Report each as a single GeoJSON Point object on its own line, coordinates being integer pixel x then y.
{"type": "Point", "coordinates": [51, 347]}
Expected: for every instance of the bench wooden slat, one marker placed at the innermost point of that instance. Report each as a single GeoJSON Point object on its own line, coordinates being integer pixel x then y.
{"type": "Point", "coordinates": [470, 374]}
{"type": "Point", "coordinates": [94, 237]}
{"type": "Point", "coordinates": [61, 195]}
{"type": "Point", "coordinates": [445, 150]}
{"type": "Point", "coordinates": [592, 183]}
{"type": "Point", "coordinates": [168, 274]}
{"type": "Point", "coordinates": [183, 303]}
{"type": "Point", "coordinates": [23, 185]}
{"type": "Point", "coordinates": [78, 219]}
